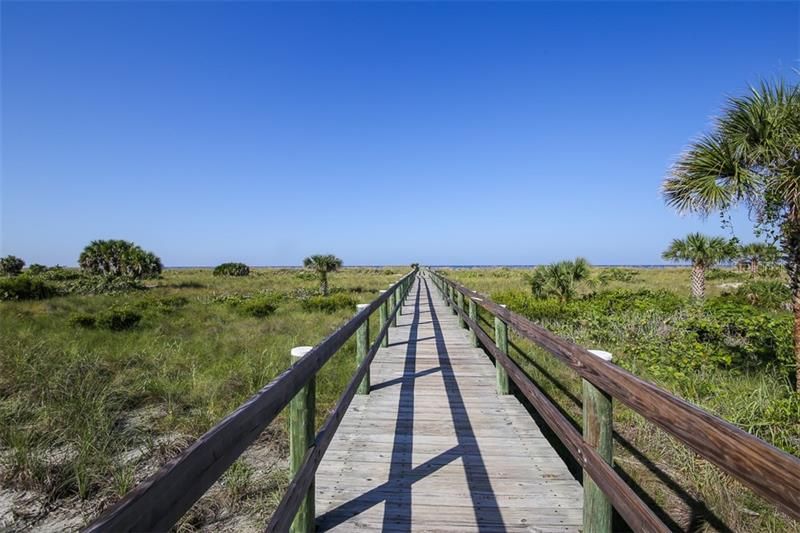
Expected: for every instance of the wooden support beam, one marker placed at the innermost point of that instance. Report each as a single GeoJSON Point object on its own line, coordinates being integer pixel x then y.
{"type": "Point", "coordinates": [362, 347]}
{"type": "Point", "coordinates": [598, 429]}
{"type": "Point", "coordinates": [473, 315]}
{"type": "Point", "coordinates": [301, 436]}
{"type": "Point", "coordinates": [501, 341]}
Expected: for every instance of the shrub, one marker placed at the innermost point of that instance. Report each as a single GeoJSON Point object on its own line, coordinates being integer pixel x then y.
{"type": "Point", "coordinates": [623, 300]}
{"type": "Point", "coordinates": [84, 320]}
{"type": "Point", "coordinates": [88, 284]}
{"type": "Point", "coordinates": [36, 269]}
{"type": "Point", "coordinates": [535, 308]}
{"type": "Point", "coordinates": [119, 258]}
{"type": "Point", "coordinates": [11, 265]}
{"type": "Point", "coordinates": [328, 304]}
{"type": "Point", "coordinates": [25, 288]}
{"type": "Point", "coordinates": [232, 269]}
{"type": "Point", "coordinates": [259, 307]}
{"type": "Point", "coordinates": [765, 294]}
{"type": "Point", "coordinates": [118, 318]}
{"type": "Point", "coordinates": [59, 273]}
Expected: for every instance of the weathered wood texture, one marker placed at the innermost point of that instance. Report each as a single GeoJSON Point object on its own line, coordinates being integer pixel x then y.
{"type": "Point", "coordinates": [768, 471]}
{"type": "Point", "coordinates": [434, 448]}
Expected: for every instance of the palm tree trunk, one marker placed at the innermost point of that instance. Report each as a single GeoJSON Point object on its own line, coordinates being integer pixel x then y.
{"type": "Point", "coordinates": [698, 281]}
{"type": "Point", "coordinates": [323, 283]}
{"type": "Point", "coordinates": [754, 267]}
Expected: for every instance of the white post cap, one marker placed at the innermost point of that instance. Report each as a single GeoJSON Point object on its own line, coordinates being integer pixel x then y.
{"type": "Point", "coordinates": [503, 306]}
{"type": "Point", "coordinates": [381, 292]}
{"type": "Point", "coordinates": [360, 307]}
{"type": "Point", "coordinates": [605, 356]}
{"type": "Point", "coordinates": [300, 351]}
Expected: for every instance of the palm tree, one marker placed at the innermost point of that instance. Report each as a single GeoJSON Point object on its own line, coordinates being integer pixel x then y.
{"type": "Point", "coordinates": [750, 158]}
{"type": "Point", "coordinates": [703, 252]}
{"type": "Point", "coordinates": [559, 279]}
{"type": "Point", "coordinates": [756, 253]}
{"type": "Point", "coordinates": [119, 258]}
{"type": "Point", "coordinates": [322, 265]}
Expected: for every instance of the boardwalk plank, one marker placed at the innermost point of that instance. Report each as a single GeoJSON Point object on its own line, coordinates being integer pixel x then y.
{"type": "Point", "coordinates": [434, 448]}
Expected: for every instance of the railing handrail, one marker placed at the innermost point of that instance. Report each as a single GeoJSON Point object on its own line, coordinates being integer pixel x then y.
{"type": "Point", "coordinates": [765, 469]}
{"type": "Point", "coordinates": [158, 502]}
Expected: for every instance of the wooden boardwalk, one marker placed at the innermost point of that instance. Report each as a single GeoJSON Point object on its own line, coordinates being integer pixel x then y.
{"type": "Point", "coordinates": [434, 448]}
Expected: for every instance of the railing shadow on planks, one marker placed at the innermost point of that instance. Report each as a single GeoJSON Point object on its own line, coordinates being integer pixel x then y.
{"type": "Point", "coordinates": [160, 501]}
{"type": "Point", "coordinates": [766, 470]}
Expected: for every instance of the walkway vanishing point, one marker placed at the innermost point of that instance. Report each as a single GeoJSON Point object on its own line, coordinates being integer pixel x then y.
{"type": "Point", "coordinates": [425, 436]}
{"type": "Point", "coordinates": [433, 447]}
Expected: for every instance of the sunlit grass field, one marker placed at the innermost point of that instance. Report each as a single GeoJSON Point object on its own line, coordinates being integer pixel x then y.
{"type": "Point", "coordinates": [85, 413]}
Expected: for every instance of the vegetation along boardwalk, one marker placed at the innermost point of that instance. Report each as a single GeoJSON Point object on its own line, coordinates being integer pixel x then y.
{"type": "Point", "coordinates": [434, 447]}
{"type": "Point", "coordinates": [426, 437]}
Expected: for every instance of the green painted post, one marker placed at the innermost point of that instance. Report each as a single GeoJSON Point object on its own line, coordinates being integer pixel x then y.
{"type": "Point", "coordinates": [460, 299]}
{"type": "Point", "coordinates": [401, 291]}
{"type": "Point", "coordinates": [501, 341]}
{"type": "Point", "coordinates": [393, 299]}
{"type": "Point", "coordinates": [446, 294]}
{"type": "Point", "coordinates": [384, 313]}
{"type": "Point", "coordinates": [301, 437]}
{"type": "Point", "coordinates": [453, 300]}
{"type": "Point", "coordinates": [598, 428]}
{"type": "Point", "coordinates": [473, 315]}
{"type": "Point", "coordinates": [362, 346]}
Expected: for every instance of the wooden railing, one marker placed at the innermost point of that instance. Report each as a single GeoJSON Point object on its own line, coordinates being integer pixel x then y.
{"type": "Point", "coordinates": [159, 502]}
{"type": "Point", "coordinates": [766, 470]}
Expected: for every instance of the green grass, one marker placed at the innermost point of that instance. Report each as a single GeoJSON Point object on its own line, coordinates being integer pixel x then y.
{"type": "Point", "coordinates": [86, 411]}
{"type": "Point", "coordinates": [757, 398]}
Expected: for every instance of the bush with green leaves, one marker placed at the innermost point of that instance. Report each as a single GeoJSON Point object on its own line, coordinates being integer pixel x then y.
{"type": "Point", "coordinates": [59, 273]}
{"type": "Point", "coordinates": [118, 258]}
{"type": "Point", "coordinates": [118, 318]}
{"type": "Point", "coordinates": [36, 269]}
{"type": "Point", "coordinates": [259, 306]}
{"type": "Point", "coordinates": [232, 269]}
{"type": "Point", "coordinates": [665, 333]}
{"type": "Point", "coordinates": [83, 319]}
{"type": "Point", "coordinates": [764, 294]}
{"type": "Point", "coordinates": [328, 304]}
{"type": "Point", "coordinates": [92, 284]}
{"type": "Point", "coordinates": [11, 265]}
{"type": "Point", "coordinates": [26, 287]}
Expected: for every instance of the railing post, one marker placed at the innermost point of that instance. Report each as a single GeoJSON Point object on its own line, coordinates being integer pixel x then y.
{"type": "Point", "coordinates": [473, 315]}
{"type": "Point", "coordinates": [501, 341]}
{"type": "Point", "coordinates": [598, 428]}
{"type": "Point", "coordinates": [446, 294]}
{"type": "Point", "coordinates": [301, 437]}
{"type": "Point", "coordinates": [384, 313]}
{"type": "Point", "coordinates": [460, 299]}
{"type": "Point", "coordinates": [393, 299]}
{"type": "Point", "coordinates": [401, 291]}
{"type": "Point", "coordinates": [453, 300]}
{"type": "Point", "coordinates": [362, 347]}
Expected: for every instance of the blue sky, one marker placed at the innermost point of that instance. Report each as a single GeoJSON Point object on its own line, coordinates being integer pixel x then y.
{"type": "Point", "coordinates": [445, 133]}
